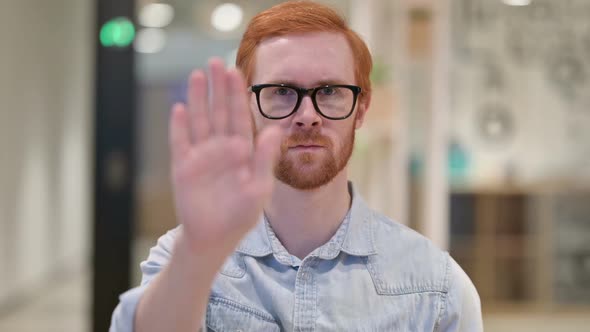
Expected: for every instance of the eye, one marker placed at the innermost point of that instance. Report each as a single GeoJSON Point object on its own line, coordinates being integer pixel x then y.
{"type": "Point", "coordinates": [283, 91]}
{"type": "Point", "coordinates": [328, 91]}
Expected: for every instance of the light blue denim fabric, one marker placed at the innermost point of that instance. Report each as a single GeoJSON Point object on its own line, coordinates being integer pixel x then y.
{"type": "Point", "coordinates": [373, 275]}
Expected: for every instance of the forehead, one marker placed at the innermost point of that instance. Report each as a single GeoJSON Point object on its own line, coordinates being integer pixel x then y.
{"type": "Point", "coordinates": [304, 59]}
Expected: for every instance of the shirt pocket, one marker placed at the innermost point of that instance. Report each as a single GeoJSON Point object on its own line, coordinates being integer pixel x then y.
{"type": "Point", "coordinates": [225, 315]}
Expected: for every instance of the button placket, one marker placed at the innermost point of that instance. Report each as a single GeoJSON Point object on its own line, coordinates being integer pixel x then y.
{"type": "Point", "coordinates": [305, 297]}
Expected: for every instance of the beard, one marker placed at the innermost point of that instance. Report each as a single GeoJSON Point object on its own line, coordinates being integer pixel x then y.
{"type": "Point", "coordinates": [311, 170]}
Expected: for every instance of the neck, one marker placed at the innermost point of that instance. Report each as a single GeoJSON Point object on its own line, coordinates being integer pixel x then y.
{"type": "Point", "coordinates": [304, 220]}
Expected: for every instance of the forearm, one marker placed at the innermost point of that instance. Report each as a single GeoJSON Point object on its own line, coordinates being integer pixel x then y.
{"type": "Point", "coordinates": [177, 298]}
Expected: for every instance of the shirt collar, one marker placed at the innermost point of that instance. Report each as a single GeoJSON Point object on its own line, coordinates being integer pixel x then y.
{"type": "Point", "coordinates": [256, 243]}
{"type": "Point", "coordinates": [354, 236]}
{"type": "Point", "coordinates": [359, 240]}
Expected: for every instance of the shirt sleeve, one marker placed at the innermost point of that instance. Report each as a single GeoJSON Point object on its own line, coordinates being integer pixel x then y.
{"type": "Point", "coordinates": [124, 314]}
{"type": "Point", "coordinates": [461, 309]}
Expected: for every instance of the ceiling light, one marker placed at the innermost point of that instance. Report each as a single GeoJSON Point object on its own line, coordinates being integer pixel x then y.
{"type": "Point", "coordinates": [226, 17]}
{"type": "Point", "coordinates": [517, 2]}
{"type": "Point", "coordinates": [156, 15]}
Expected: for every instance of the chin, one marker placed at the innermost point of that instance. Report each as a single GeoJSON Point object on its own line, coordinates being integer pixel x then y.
{"type": "Point", "coordinates": [308, 184]}
{"type": "Point", "coordinates": [307, 176]}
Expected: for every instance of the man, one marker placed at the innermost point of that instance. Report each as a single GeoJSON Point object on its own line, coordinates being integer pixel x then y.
{"type": "Point", "coordinates": [273, 237]}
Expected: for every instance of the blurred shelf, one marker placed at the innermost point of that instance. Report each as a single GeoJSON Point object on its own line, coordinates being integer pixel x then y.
{"type": "Point", "coordinates": [573, 185]}
{"type": "Point", "coordinates": [511, 243]}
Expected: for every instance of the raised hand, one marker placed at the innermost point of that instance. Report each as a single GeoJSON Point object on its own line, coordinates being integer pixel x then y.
{"type": "Point", "coordinates": [221, 179]}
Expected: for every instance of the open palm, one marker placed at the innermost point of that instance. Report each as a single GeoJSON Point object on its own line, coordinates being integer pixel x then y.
{"type": "Point", "coordinates": [221, 179]}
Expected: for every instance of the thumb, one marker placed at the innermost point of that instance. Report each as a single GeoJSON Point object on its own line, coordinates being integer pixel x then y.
{"type": "Point", "coordinates": [266, 155]}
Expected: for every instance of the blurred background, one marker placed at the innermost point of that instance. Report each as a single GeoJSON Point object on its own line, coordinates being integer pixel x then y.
{"type": "Point", "coordinates": [478, 137]}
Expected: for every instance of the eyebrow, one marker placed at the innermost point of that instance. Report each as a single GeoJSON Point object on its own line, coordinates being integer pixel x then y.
{"type": "Point", "coordinates": [316, 84]}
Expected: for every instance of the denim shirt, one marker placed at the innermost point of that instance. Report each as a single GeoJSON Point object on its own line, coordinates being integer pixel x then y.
{"type": "Point", "coordinates": [373, 275]}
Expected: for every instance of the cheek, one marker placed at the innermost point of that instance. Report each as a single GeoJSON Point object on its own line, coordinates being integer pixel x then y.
{"type": "Point", "coordinates": [347, 134]}
{"type": "Point", "coordinates": [338, 139]}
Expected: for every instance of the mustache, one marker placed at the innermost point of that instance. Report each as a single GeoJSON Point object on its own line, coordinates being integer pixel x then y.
{"type": "Point", "coordinates": [306, 138]}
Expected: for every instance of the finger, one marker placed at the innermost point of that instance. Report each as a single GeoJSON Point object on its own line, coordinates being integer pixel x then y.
{"type": "Point", "coordinates": [219, 114]}
{"type": "Point", "coordinates": [239, 110]}
{"type": "Point", "coordinates": [198, 105]}
{"type": "Point", "coordinates": [266, 156]}
{"type": "Point", "coordinates": [179, 134]}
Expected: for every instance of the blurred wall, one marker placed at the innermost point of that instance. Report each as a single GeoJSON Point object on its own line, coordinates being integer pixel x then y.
{"type": "Point", "coordinates": [46, 72]}
{"type": "Point", "coordinates": [521, 91]}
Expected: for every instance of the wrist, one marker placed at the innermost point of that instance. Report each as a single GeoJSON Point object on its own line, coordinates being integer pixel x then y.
{"type": "Point", "coordinates": [201, 262]}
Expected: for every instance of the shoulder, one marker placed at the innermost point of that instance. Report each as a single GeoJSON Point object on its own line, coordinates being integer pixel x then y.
{"type": "Point", "coordinates": [159, 255]}
{"type": "Point", "coordinates": [461, 309]}
{"type": "Point", "coordinates": [406, 261]}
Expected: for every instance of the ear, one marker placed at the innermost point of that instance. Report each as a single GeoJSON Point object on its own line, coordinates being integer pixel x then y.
{"type": "Point", "coordinates": [362, 109]}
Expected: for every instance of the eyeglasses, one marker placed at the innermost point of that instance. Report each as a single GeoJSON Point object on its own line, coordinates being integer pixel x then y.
{"type": "Point", "coordinates": [279, 101]}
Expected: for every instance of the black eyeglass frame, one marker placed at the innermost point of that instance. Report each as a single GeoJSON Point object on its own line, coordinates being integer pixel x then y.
{"type": "Point", "coordinates": [302, 92]}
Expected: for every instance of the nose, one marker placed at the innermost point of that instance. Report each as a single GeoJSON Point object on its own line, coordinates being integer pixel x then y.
{"type": "Point", "coordinates": [306, 116]}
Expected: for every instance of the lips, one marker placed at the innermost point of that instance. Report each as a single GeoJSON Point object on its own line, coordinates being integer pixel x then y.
{"type": "Point", "coordinates": [308, 146]}
{"type": "Point", "coordinates": [306, 142]}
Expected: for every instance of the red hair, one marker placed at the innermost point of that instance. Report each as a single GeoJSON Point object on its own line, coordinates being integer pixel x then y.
{"type": "Point", "coordinates": [301, 17]}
